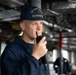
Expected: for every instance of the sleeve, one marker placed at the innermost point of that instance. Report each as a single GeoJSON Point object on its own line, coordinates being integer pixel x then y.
{"type": "Point", "coordinates": [12, 65]}
{"type": "Point", "coordinates": [68, 66]}
{"type": "Point", "coordinates": [55, 66]}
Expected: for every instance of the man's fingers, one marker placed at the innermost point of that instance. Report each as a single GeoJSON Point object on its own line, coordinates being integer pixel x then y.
{"type": "Point", "coordinates": [43, 39]}
{"type": "Point", "coordinates": [45, 42]}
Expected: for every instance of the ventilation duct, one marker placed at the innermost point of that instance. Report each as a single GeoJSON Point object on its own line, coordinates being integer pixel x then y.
{"type": "Point", "coordinates": [12, 3]}
{"type": "Point", "coordinates": [10, 19]}
{"type": "Point", "coordinates": [63, 5]}
{"type": "Point", "coordinates": [72, 0]}
{"type": "Point", "coordinates": [36, 3]}
{"type": "Point", "coordinates": [9, 14]}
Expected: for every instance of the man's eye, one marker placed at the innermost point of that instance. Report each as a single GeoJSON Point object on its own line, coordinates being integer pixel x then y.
{"type": "Point", "coordinates": [41, 23]}
{"type": "Point", "coordinates": [33, 23]}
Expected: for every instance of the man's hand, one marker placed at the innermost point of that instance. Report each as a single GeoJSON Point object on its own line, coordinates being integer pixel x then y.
{"type": "Point", "coordinates": [39, 50]}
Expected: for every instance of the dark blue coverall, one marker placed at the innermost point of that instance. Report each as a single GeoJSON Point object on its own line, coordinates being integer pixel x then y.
{"type": "Point", "coordinates": [17, 60]}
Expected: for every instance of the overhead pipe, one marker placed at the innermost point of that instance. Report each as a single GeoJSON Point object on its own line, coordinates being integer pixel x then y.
{"type": "Point", "coordinates": [0, 48]}
{"type": "Point", "coordinates": [17, 1]}
{"type": "Point", "coordinates": [63, 5]}
{"type": "Point", "coordinates": [9, 14]}
{"type": "Point", "coordinates": [36, 3]}
{"type": "Point", "coordinates": [10, 19]}
{"type": "Point", "coordinates": [72, 0]}
{"type": "Point", "coordinates": [60, 52]}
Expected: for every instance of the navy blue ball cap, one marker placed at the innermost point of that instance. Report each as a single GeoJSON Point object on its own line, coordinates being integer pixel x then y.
{"type": "Point", "coordinates": [31, 13]}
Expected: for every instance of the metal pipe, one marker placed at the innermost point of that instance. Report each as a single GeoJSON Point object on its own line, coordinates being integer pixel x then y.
{"type": "Point", "coordinates": [36, 3]}
{"type": "Point", "coordinates": [61, 57]}
{"type": "Point", "coordinates": [0, 47]}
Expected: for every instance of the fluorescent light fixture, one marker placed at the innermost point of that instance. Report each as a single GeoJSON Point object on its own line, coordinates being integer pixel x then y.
{"type": "Point", "coordinates": [56, 26]}
{"type": "Point", "coordinates": [53, 12]}
{"type": "Point", "coordinates": [69, 30]}
{"type": "Point", "coordinates": [46, 32]}
{"type": "Point", "coordinates": [50, 24]}
{"type": "Point", "coordinates": [45, 22]}
{"type": "Point", "coordinates": [54, 39]}
{"type": "Point", "coordinates": [51, 36]}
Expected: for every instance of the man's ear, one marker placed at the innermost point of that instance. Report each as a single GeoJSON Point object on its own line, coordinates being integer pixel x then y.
{"type": "Point", "coordinates": [22, 25]}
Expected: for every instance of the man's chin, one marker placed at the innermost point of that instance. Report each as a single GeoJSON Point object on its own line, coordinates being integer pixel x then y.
{"type": "Point", "coordinates": [34, 37]}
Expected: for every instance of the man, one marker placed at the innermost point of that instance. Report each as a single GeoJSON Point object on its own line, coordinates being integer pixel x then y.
{"type": "Point", "coordinates": [22, 56]}
{"type": "Point", "coordinates": [66, 66]}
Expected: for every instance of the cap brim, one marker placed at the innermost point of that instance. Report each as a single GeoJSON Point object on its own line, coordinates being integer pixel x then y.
{"type": "Point", "coordinates": [38, 19]}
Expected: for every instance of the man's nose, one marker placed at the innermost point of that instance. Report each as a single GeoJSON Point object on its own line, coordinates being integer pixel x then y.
{"type": "Point", "coordinates": [38, 26]}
